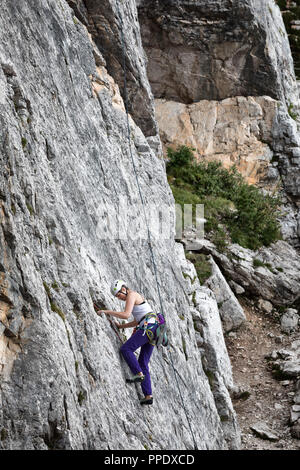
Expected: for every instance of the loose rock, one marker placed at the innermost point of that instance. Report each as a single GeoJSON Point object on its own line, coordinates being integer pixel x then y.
{"type": "Point", "coordinates": [262, 430]}
{"type": "Point", "coordinates": [289, 321]}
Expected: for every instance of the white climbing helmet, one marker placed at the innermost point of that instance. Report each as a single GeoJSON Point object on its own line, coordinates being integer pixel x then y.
{"type": "Point", "coordinates": [116, 286]}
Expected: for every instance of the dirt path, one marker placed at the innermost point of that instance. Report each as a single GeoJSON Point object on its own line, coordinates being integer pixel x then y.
{"type": "Point", "coordinates": [270, 400]}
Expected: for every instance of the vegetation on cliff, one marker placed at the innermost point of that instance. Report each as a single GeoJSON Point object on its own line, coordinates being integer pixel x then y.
{"type": "Point", "coordinates": [234, 210]}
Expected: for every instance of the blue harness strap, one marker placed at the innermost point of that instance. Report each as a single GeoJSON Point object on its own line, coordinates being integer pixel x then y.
{"type": "Point", "coordinates": [147, 327]}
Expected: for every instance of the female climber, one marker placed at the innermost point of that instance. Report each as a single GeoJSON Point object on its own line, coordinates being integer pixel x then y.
{"type": "Point", "coordinates": [145, 324]}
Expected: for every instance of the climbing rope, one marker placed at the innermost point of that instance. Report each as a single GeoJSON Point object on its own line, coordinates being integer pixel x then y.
{"type": "Point", "coordinates": [143, 206]}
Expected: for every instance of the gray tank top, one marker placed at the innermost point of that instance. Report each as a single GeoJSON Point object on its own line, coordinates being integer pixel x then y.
{"type": "Point", "coordinates": [139, 311]}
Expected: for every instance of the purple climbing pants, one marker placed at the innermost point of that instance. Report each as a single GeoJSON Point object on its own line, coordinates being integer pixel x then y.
{"type": "Point", "coordinates": [139, 340]}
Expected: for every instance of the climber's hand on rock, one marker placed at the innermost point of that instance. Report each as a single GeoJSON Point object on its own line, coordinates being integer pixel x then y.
{"type": "Point", "coordinates": [98, 310]}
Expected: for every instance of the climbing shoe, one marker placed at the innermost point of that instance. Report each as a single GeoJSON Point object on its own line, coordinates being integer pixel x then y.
{"type": "Point", "coordinates": [146, 401]}
{"type": "Point", "coordinates": [135, 379]}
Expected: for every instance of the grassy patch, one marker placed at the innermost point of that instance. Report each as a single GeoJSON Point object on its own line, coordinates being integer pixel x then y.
{"type": "Point", "coordinates": [202, 265]}
{"type": "Point", "coordinates": [257, 263]}
{"type": "Point", "coordinates": [292, 114]}
{"type": "Point", "coordinates": [64, 284]}
{"type": "Point", "coordinates": [3, 434]}
{"type": "Point", "coordinates": [13, 208]}
{"type": "Point", "coordinates": [81, 397]}
{"type": "Point", "coordinates": [54, 285]}
{"type": "Point", "coordinates": [47, 289]}
{"type": "Point", "coordinates": [57, 310]}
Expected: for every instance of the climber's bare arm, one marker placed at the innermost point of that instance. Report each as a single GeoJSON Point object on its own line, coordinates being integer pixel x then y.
{"type": "Point", "coordinates": [131, 324]}
{"type": "Point", "coordinates": [131, 298]}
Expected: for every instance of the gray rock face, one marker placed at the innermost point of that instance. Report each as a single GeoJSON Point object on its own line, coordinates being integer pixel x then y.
{"type": "Point", "coordinates": [64, 165]}
{"type": "Point", "coordinates": [214, 50]}
{"type": "Point", "coordinates": [270, 273]}
{"type": "Point", "coordinates": [289, 321]}
{"type": "Point", "coordinates": [265, 306]}
{"type": "Point", "coordinates": [232, 314]}
{"type": "Point", "coordinates": [210, 339]}
{"type": "Point", "coordinates": [286, 365]}
{"type": "Point", "coordinates": [295, 413]}
{"type": "Point", "coordinates": [104, 20]}
{"type": "Point", "coordinates": [263, 431]}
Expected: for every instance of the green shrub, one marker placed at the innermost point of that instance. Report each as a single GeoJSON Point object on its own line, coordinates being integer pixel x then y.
{"type": "Point", "coordinates": [291, 112]}
{"type": "Point", "coordinates": [54, 285]}
{"type": "Point", "coordinates": [81, 397]}
{"type": "Point", "coordinates": [257, 263]}
{"type": "Point", "coordinates": [3, 434]}
{"type": "Point", "coordinates": [233, 209]}
{"type": "Point", "coordinates": [184, 157]}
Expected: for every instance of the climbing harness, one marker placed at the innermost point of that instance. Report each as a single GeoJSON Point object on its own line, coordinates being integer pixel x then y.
{"type": "Point", "coordinates": [158, 337]}
{"type": "Point", "coordinates": [147, 326]}
{"type": "Point", "coordinates": [163, 326]}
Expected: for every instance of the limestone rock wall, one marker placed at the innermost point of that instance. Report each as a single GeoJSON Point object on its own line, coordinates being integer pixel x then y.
{"type": "Point", "coordinates": [271, 273]}
{"type": "Point", "coordinates": [233, 131]}
{"type": "Point", "coordinates": [64, 165]}
{"type": "Point", "coordinates": [214, 50]}
{"type": "Point", "coordinates": [105, 20]}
